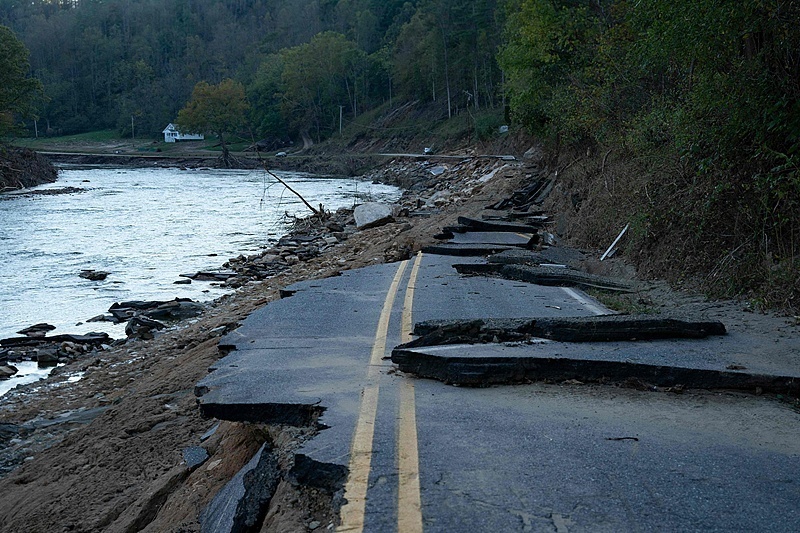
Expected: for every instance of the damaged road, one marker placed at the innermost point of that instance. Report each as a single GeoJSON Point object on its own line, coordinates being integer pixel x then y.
{"type": "Point", "coordinates": [398, 453]}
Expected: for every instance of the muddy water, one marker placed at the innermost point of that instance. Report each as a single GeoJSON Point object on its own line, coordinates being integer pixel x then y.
{"type": "Point", "coordinates": [145, 227]}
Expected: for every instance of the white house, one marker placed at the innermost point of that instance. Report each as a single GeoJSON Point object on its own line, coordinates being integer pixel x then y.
{"type": "Point", "coordinates": [171, 134]}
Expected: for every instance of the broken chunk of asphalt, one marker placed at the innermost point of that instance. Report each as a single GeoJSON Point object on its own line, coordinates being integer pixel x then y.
{"type": "Point", "coordinates": [658, 363]}
{"type": "Point", "coordinates": [541, 275]}
{"type": "Point", "coordinates": [602, 328]}
{"type": "Point", "coordinates": [473, 224]}
{"type": "Point", "coordinates": [242, 503]}
{"type": "Point", "coordinates": [194, 456]}
{"type": "Point", "coordinates": [549, 254]}
{"type": "Point", "coordinates": [466, 250]}
{"type": "Point", "coordinates": [293, 414]}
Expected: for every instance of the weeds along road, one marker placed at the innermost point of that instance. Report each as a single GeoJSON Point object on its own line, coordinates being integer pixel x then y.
{"type": "Point", "coordinates": [420, 455]}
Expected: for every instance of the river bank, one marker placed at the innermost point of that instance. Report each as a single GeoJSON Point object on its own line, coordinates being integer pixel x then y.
{"type": "Point", "coordinates": [107, 452]}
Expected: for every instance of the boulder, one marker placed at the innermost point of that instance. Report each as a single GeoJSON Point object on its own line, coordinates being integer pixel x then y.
{"type": "Point", "coordinates": [94, 275]}
{"type": "Point", "coordinates": [175, 310]}
{"type": "Point", "coordinates": [37, 330]}
{"type": "Point", "coordinates": [47, 356]}
{"type": "Point", "coordinates": [104, 318]}
{"type": "Point", "coordinates": [6, 371]}
{"type": "Point", "coordinates": [142, 327]}
{"type": "Point", "coordinates": [372, 214]}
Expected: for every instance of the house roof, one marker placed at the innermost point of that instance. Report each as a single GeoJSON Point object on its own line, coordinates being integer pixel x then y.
{"type": "Point", "coordinates": [170, 127]}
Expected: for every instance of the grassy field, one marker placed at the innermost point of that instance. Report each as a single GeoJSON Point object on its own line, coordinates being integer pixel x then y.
{"type": "Point", "coordinates": [109, 142]}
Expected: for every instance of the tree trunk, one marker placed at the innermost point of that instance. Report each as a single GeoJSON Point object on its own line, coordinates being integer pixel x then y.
{"type": "Point", "coordinates": [226, 155]}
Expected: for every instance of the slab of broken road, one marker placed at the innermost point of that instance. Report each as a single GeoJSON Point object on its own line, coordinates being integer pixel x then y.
{"type": "Point", "coordinates": [476, 387]}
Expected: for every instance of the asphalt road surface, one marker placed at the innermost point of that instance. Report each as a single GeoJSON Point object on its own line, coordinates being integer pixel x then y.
{"type": "Point", "coordinates": [425, 456]}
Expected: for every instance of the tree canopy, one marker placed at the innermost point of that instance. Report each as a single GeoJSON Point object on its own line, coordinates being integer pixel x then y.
{"type": "Point", "coordinates": [219, 109]}
{"type": "Point", "coordinates": [17, 88]}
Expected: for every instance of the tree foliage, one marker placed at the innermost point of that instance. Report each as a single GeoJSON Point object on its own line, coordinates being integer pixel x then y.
{"type": "Point", "coordinates": [220, 109]}
{"type": "Point", "coordinates": [17, 89]}
{"type": "Point", "coordinates": [102, 63]}
{"type": "Point", "coordinates": [318, 77]}
{"type": "Point", "coordinates": [713, 85]}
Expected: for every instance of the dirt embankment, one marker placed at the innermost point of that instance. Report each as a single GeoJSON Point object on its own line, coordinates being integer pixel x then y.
{"type": "Point", "coordinates": [21, 168]}
{"type": "Point", "coordinates": [711, 233]}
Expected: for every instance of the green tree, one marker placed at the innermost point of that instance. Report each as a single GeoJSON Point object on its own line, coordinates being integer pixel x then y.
{"type": "Point", "coordinates": [265, 95]}
{"type": "Point", "coordinates": [219, 109]}
{"type": "Point", "coordinates": [548, 50]}
{"type": "Point", "coordinates": [319, 77]}
{"type": "Point", "coordinates": [17, 89]}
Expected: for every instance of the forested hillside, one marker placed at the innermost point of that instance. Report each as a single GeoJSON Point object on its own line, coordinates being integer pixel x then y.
{"type": "Point", "coordinates": [689, 110]}
{"type": "Point", "coordinates": [103, 62]}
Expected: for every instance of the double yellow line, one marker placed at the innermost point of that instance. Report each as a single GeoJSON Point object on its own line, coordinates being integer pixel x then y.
{"type": "Point", "coordinates": [409, 512]}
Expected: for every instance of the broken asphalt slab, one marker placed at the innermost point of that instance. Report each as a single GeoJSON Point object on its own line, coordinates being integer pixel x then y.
{"type": "Point", "coordinates": [547, 275]}
{"type": "Point", "coordinates": [472, 224]}
{"type": "Point", "coordinates": [241, 504]}
{"type": "Point", "coordinates": [466, 249]}
{"type": "Point", "coordinates": [565, 329]}
{"type": "Point", "coordinates": [713, 363]}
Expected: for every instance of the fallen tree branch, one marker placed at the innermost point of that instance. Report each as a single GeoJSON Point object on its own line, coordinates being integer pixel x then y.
{"type": "Point", "coordinates": [319, 212]}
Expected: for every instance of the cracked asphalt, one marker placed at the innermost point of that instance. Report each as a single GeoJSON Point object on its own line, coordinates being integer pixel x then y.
{"type": "Point", "coordinates": [421, 455]}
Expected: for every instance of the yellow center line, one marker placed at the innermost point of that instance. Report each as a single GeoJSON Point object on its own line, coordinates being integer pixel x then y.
{"type": "Point", "coordinates": [355, 489]}
{"type": "Point", "coordinates": [409, 503]}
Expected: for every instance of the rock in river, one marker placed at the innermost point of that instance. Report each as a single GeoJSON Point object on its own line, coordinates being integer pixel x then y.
{"type": "Point", "coordinates": [6, 371]}
{"type": "Point", "coordinates": [94, 275]}
{"type": "Point", "coordinates": [37, 330]}
{"type": "Point", "coordinates": [142, 327]}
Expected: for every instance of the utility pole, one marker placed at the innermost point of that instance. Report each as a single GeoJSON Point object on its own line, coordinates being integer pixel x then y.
{"type": "Point", "coordinates": [36, 128]}
{"type": "Point", "coordinates": [132, 134]}
{"type": "Point", "coordinates": [341, 108]}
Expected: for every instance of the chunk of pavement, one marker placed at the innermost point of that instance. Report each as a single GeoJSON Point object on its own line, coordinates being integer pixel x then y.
{"type": "Point", "coordinates": [604, 328]}
{"type": "Point", "coordinates": [654, 365]}
{"type": "Point", "coordinates": [242, 502]}
{"type": "Point", "coordinates": [372, 214]}
{"type": "Point", "coordinates": [194, 456]}
{"type": "Point", "coordinates": [548, 276]}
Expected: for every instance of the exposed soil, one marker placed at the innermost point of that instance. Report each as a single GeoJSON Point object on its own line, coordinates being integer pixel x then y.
{"type": "Point", "coordinates": [105, 453]}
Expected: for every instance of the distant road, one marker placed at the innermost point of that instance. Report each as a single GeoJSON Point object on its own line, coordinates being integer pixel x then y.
{"type": "Point", "coordinates": [444, 156]}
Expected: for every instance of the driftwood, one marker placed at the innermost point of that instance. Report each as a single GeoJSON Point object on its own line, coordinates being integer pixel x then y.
{"type": "Point", "coordinates": [319, 213]}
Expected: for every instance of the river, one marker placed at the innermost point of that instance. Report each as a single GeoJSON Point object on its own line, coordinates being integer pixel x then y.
{"type": "Point", "coordinates": [145, 227]}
